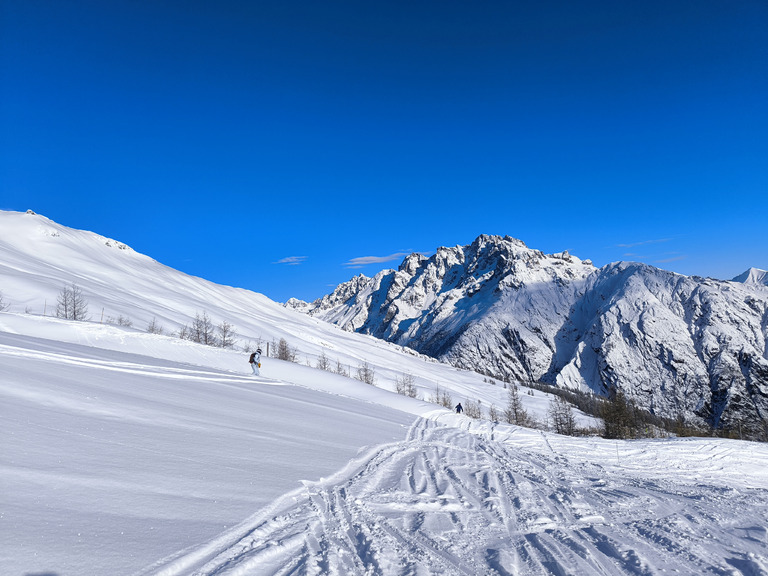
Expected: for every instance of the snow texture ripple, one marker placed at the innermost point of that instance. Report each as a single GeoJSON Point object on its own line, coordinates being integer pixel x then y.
{"type": "Point", "coordinates": [448, 501]}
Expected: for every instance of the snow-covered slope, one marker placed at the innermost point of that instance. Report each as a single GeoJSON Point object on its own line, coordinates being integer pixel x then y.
{"type": "Point", "coordinates": [118, 462]}
{"type": "Point", "coordinates": [125, 451]}
{"type": "Point", "coordinates": [38, 257]}
{"type": "Point", "coordinates": [753, 276]}
{"type": "Point", "coordinates": [457, 499]}
{"type": "Point", "coordinates": [112, 460]}
{"type": "Point", "coordinates": [679, 346]}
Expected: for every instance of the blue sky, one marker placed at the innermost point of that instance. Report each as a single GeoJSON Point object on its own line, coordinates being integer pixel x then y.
{"type": "Point", "coordinates": [285, 146]}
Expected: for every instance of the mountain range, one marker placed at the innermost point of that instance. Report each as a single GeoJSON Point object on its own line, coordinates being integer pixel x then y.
{"type": "Point", "coordinates": [678, 346]}
{"type": "Point", "coordinates": [136, 451]}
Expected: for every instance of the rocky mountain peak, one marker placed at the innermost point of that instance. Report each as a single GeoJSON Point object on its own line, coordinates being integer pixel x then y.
{"type": "Point", "coordinates": [677, 345]}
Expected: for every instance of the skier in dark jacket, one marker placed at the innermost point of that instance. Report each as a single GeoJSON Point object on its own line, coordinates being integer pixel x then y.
{"type": "Point", "coordinates": [459, 408]}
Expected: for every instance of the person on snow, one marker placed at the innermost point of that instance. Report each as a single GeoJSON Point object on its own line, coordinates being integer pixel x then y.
{"type": "Point", "coordinates": [459, 408]}
{"type": "Point", "coordinates": [255, 361]}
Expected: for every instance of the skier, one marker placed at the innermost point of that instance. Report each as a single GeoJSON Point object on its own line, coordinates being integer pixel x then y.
{"type": "Point", "coordinates": [255, 362]}
{"type": "Point", "coordinates": [459, 408]}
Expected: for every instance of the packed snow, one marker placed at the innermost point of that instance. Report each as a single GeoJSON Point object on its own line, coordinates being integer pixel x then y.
{"type": "Point", "coordinates": [132, 453]}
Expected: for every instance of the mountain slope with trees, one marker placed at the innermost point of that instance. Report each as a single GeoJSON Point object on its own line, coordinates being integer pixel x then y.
{"type": "Point", "coordinates": [677, 346]}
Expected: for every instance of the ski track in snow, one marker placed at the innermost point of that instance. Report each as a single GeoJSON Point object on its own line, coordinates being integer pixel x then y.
{"type": "Point", "coordinates": [193, 373]}
{"type": "Point", "coordinates": [448, 501]}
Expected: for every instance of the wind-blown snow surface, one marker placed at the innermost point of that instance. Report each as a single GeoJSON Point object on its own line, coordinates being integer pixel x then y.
{"type": "Point", "coordinates": [112, 460]}
{"type": "Point", "coordinates": [117, 463]}
{"type": "Point", "coordinates": [126, 452]}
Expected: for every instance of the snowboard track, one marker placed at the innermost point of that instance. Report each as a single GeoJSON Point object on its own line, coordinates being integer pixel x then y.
{"type": "Point", "coordinates": [447, 501]}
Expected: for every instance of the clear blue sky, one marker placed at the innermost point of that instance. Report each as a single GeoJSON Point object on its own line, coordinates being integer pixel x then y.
{"type": "Point", "coordinates": [272, 145]}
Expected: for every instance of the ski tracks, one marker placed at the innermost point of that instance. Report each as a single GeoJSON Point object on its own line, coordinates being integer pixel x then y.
{"type": "Point", "coordinates": [446, 501]}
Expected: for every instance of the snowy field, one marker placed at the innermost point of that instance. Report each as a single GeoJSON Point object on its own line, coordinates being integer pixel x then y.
{"type": "Point", "coordinates": [129, 453]}
{"type": "Point", "coordinates": [125, 463]}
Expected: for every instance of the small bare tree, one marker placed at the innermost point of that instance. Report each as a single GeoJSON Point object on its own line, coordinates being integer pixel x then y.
{"type": "Point", "coordinates": [560, 414]}
{"type": "Point", "coordinates": [120, 321]}
{"type": "Point", "coordinates": [71, 304]}
{"type": "Point", "coordinates": [202, 330]}
{"type": "Point", "coordinates": [185, 333]}
{"type": "Point", "coordinates": [3, 304]}
{"type": "Point", "coordinates": [154, 327]}
{"type": "Point", "coordinates": [285, 352]}
{"type": "Point", "coordinates": [366, 373]}
{"type": "Point", "coordinates": [406, 385]}
{"type": "Point", "coordinates": [472, 409]}
{"type": "Point", "coordinates": [323, 363]}
{"type": "Point", "coordinates": [442, 397]}
{"type": "Point", "coordinates": [226, 335]}
{"type": "Point", "coordinates": [252, 346]}
{"type": "Point", "coordinates": [340, 370]}
{"type": "Point", "coordinates": [493, 414]}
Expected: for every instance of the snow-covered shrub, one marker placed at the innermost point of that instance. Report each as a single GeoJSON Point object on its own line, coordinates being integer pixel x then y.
{"type": "Point", "coordinates": [441, 397]}
{"type": "Point", "coordinates": [406, 385]}
{"type": "Point", "coordinates": [154, 327]}
{"type": "Point", "coordinates": [472, 409]}
{"type": "Point", "coordinates": [323, 363]}
{"type": "Point", "coordinates": [366, 373]}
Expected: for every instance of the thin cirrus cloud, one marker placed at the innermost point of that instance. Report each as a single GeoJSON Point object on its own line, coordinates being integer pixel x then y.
{"type": "Point", "coordinates": [643, 243]}
{"type": "Point", "coordinates": [671, 259]}
{"type": "Point", "coordinates": [292, 260]}
{"type": "Point", "coordinates": [366, 260]}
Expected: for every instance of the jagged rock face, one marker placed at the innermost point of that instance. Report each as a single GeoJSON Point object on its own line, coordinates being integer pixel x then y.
{"type": "Point", "coordinates": [677, 345]}
{"type": "Point", "coordinates": [493, 306]}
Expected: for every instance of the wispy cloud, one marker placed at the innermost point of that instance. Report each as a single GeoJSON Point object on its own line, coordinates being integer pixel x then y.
{"type": "Point", "coordinates": [292, 260]}
{"type": "Point", "coordinates": [671, 259]}
{"type": "Point", "coordinates": [643, 243]}
{"type": "Point", "coordinates": [366, 260]}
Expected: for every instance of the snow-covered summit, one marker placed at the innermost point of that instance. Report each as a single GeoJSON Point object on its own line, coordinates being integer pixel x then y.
{"type": "Point", "coordinates": [753, 276]}
{"type": "Point", "coordinates": [677, 345]}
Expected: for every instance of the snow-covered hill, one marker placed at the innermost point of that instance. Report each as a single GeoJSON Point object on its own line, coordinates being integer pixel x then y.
{"type": "Point", "coordinates": [753, 276]}
{"type": "Point", "coordinates": [126, 452]}
{"type": "Point", "coordinates": [137, 453]}
{"type": "Point", "coordinates": [677, 345]}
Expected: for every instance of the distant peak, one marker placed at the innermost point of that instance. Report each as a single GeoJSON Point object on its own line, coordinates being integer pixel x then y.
{"type": "Point", "coordinates": [753, 276]}
{"type": "Point", "coordinates": [495, 239]}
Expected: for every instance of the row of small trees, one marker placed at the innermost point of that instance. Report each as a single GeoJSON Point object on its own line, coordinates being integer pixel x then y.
{"type": "Point", "coordinates": [621, 417]}
{"type": "Point", "coordinates": [560, 415]}
{"type": "Point", "coordinates": [204, 331]}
